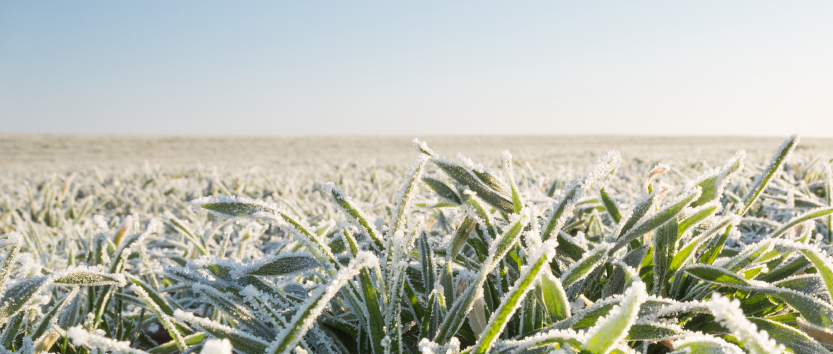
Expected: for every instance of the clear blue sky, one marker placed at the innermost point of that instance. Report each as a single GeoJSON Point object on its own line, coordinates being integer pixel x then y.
{"type": "Point", "coordinates": [417, 67]}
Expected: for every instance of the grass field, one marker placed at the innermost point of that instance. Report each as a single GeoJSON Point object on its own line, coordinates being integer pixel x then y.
{"type": "Point", "coordinates": [377, 245]}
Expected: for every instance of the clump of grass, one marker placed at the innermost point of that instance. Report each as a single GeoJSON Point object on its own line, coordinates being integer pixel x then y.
{"type": "Point", "coordinates": [460, 258]}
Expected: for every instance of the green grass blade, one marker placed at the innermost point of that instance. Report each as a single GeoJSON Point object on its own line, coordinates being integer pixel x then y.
{"type": "Point", "coordinates": [575, 190]}
{"type": "Point", "coordinates": [516, 294]}
{"type": "Point", "coordinates": [665, 247]}
{"type": "Point", "coordinates": [660, 217]}
{"type": "Point", "coordinates": [590, 261]}
{"type": "Point", "coordinates": [517, 203]}
{"type": "Point", "coordinates": [610, 205]}
{"type": "Point", "coordinates": [443, 190]}
{"type": "Point", "coordinates": [281, 264]}
{"type": "Point", "coordinates": [243, 342]}
{"type": "Point", "coordinates": [810, 215]}
{"type": "Point", "coordinates": [614, 327]}
{"type": "Point", "coordinates": [789, 337]}
{"type": "Point", "coordinates": [558, 305]}
{"type": "Point", "coordinates": [468, 179]}
{"type": "Point", "coordinates": [729, 314]}
{"type": "Point", "coordinates": [312, 307]}
{"type": "Point", "coordinates": [761, 181]}
{"type": "Point", "coordinates": [461, 307]}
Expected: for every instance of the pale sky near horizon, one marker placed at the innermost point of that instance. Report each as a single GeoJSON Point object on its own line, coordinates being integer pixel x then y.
{"type": "Point", "coordinates": [760, 68]}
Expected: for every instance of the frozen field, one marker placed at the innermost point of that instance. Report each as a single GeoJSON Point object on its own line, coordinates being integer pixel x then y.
{"type": "Point", "coordinates": [367, 245]}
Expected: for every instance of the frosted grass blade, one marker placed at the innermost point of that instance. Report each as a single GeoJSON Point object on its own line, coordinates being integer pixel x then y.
{"type": "Point", "coordinates": [713, 184]}
{"type": "Point", "coordinates": [761, 181]}
{"type": "Point", "coordinates": [558, 305]}
{"type": "Point", "coordinates": [312, 307]}
{"type": "Point", "coordinates": [230, 207]}
{"type": "Point", "coordinates": [14, 243]}
{"type": "Point", "coordinates": [164, 318]}
{"type": "Point", "coordinates": [610, 205]}
{"type": "Point", "coordinates": [461, 307]}
{"type": "Point", "coordinates": [729, 314]}
{"type": "Point", "coordinates": [242, 341]}
{"type": "Point", "coordinates": [704, 343]}
{"type": "Point", "coordinates": [665, 247]}
{"type": "Point", "coordinates": [346, 204]}
{"type": "Point", "coordinates": [442, 190]}
{"type": "Point", "coordinates": [517, 203]}
{"type": "Point", "coordinates": [592, 259]}
{"type": "Point", "coordinates": [789, 337]}
{"type": "Point", "coordinates": [614, 327]}
{"type": "Point", "coordinates": [575, 190]}
{"type": "Point", "coordinates": [810, 215]}
{"type": "Point", "coordinates": [468, 179]}
{"type": "Point", "coordinates": [81, 337]}
{"type": "Point", "coordinates": [282, 264]}
{"type": "Point", "coordinates": [660, 217]}
{"type": "Point", "coordinates": [516, 295]}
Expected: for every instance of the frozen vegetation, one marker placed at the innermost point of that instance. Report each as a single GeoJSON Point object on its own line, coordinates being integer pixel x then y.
{"type": "Point", "coordinates": [470, 254]}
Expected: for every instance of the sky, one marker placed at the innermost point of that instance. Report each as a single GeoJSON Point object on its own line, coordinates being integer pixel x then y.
{"type": "Point", "coordinates": [417, 68]}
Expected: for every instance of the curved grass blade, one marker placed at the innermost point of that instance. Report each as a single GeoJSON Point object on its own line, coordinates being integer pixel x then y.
{"type": "Point", "coordinates": [704, 343]}
{"type": "Point", "coordinates": [575, 190]}
{"type": "Point", "coordinates": [346, 205]}
{"type": "Point", "coordinates": [164, 318]}
{"type": "Point", "coordinates": [660, 217]}
{"type": "Point", "coordinates": [610, 205]}
{"type": "Point", "coordinates": [515, 295]}
{"type": "Point", "coordinates": [714, 183]}
{"type": "Point", "coordinates": [789, 337]}
{"type": "Point", "coordinates": [729, 314]}
{"type": "Point", "coordinates": [442, 190]}
{"type": "Point", "coordinates": [579, 270]}
{"type": "Point", "coordinates": [281, 264]}
{"type": "Point", "coordinates": [242, 341]}
{"type": "Point", "coordinates": [468, 179]}
{"type": "Point", "coordinates": [461, 307]}
{"type": "Point", "coordinates": [815, 311]}
{"type": "Point", "coordinates": [810, 215]}
{"type": "Point", "coordinates": [312, 307]}
{"type": "Point", "coordinates": [555, 299]}
{"type": "Point", "coordinates": [614, 327]}
{"type": "Point", "coordinates": [517, 203]}
{"type": "Point", "coordinates": [761, 181]}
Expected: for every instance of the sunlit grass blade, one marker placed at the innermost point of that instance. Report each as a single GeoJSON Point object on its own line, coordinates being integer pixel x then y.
{"type": "Point", "coordinates": [810, 215]}
{"type": "Point", "coordinates": [614, 327]}
{"type": "Point", "coordinates": [660, 217]}
{"type": "Point", "coordinates": [592, 259]}
{"type": "Point", "coordinates": [789, 337]}
{"type": "Point", "coordinates": [315, 304]}
{"type": "Point", "coordinates": [729, 314]}
{"type": "Point", "coordinates": [461, 307]}
{"type": "Point", "coordinates": [575, 190]}
{"type": "Point", "coordinates": [468, 179]}
{"type": "Point", "coordinates": [558, 305]}
{"type": "Point", "coordinates": [242, 341]}
{"type": "Point", "coordinates": [526, 281]}
{"type": "Point", "coordinates": [762, 180]}
{"type": "Point", "coordinates": [517, 203]}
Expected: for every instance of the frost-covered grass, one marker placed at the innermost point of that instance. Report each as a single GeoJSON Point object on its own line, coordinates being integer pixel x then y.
{"type": "Point", "coordinates": [448, 256]}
